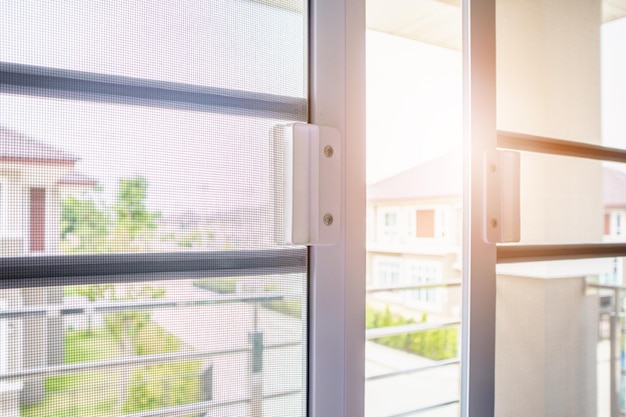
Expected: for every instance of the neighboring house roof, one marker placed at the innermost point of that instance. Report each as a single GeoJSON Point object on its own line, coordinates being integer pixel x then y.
{"type": "Point", "coordinates": [77, 178]}
{"type": "Point", "coordinates": [614, 186]}
{"type": "Point", "coordinates": [440, 177]}
{"type": "Point", "coordinates": [18, 148]}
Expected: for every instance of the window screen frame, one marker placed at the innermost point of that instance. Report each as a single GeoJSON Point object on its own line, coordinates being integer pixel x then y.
{"type": "Point", "coordinates": [336, 274]}
{"type": "Point", "coordinates": [479, 257]}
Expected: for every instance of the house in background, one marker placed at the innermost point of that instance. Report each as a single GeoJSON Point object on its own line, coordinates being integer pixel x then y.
{"type": "Point", "coordinates": [34, 178]}
{"type": "Point", "coordinates": [614, 185]}
{"type": "Point", "coordinates": [414, 236]}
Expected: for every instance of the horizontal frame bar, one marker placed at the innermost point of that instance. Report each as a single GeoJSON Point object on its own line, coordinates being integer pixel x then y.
{"type": "Point", "coordinates": [413, 287]}
{"type": "Point", "coordinates": [438, 364]}
{"type": "Point", "coordinates": [541, 144]}
{"type": "Point", "coordinates": [78, 85]}
{"type": "Point", "coordinates": [424, 409]}
{"type": "Point", "coordinates": [537, 253]}
{"type": "Point", "coordinates": [406, 328]}
{"type": "Point", "coordinates": [613, 287]}
{"type": "Point", "coordinates": [39, 271]}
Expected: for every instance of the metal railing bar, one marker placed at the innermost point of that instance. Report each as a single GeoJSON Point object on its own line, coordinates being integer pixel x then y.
{"type": "Point", "coordinates": [136, 360]}
{"type": "Point", "coordinates": [78, 85]}
{"type": "Point", "coordinates": [438, 364]}
{"type": "Point", "coordinates": [198, 407]}
{"type": "Point", "coordinates": [535, 253]}
{"type": "Point", "coordinates": [115, 363]}
{"type": "Point", "coordinates": [606, 286]}
{"type": "Point", "coordinates": [424, 409]}
{"type": "Point", "coordinates": [51, 270]}
{"type": "Point", "coordinates": [541, 144]}
{"type": "Point", "coordinates": [406, 328]}
{"type": "Point", "coordinates": [98, 307]}
{"type": "Point", "coordinates": [413, 287]}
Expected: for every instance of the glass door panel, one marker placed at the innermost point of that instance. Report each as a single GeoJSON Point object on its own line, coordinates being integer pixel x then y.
{"type": "Point", "coordinates": [140, 269]}
{"type": "Point", "coordinates": [414, 208]}
{"type": "Point", "coordinates": [558, 77]}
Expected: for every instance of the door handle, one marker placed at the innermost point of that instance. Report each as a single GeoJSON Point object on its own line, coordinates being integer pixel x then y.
{"type": "Point", "coordinates": [501, 191]}
{"type": "Point", "coordinates": [310, 183]}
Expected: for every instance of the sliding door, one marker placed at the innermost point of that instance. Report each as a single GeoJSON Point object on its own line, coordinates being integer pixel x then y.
{"type": "Point", "coordinates": [544, 87]}
{"type": "Point", "coordinates": [137, 164]}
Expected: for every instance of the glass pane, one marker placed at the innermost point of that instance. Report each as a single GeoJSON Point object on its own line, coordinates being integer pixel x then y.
{"type": "Point", "coordinates": [233, 44]}
{"type": "Point", "coordinates": [116, 349]}
{"type": "Point", "coordinates": [571, 200]}
{"type": "Point", "coordinates": [560, 70]}
{"type": "Point", "coordinates": [414, 200]}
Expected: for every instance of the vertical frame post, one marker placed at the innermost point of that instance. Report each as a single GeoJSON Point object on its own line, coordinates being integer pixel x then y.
{"type": "Point", "coordinates": [479, 258]}
{"type": "Point", "coordinates": [337, 273]}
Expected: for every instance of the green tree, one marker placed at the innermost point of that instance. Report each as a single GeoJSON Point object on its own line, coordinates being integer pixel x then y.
{"type": "Point", "coordinates": [132, 216]}
{"type": "Point", "coordinates": [84, 226]}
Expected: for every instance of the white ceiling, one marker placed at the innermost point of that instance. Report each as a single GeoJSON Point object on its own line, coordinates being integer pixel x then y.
{"type": "Point", "coordinates": [430, 21]}
{"type": "Point", "coordinates": [438, 22]}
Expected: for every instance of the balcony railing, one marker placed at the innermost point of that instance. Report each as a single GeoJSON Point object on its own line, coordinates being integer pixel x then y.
{"type": "Point", "coordinates": [377, 333]}
{"type": "Point", "coordinates": [254, 351]}
{"type": "Point", "coordinates": [614, 309]}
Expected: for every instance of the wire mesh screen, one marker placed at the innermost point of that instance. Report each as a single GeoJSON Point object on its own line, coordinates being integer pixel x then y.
{"type": "Point", "coordinates": [146, 128]}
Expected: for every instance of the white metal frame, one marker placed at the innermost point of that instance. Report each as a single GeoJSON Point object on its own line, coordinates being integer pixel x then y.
{"type": "Point", "coordinates": [479, 258]}
{"type": "Point", "coordinates": [337, 273]}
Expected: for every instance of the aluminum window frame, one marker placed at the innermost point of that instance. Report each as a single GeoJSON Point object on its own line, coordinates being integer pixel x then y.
{"type": "Point", "coordinates": [336, 274]}
{"type": "Point", "coordinates": [479, 258]}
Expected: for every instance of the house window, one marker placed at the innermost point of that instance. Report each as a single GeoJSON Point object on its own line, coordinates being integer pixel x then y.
{"type": "Point", "coordinates": [425, 223]}
{"type": "Point", "coordinates": [614, 223]}
{"type": "Point", "coordinates": [391, 219]}
{"type": "Point", "coordinates": [426, 272]}
{"type": "Point", "coordinates": [388, 273]}
{"type": "Point", "coordinates": [390, 224]}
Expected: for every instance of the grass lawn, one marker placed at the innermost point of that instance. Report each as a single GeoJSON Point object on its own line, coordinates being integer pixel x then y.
{"type": "Point", "coordinates": [82, 394]}
{"type": "Point", "coordinates": [95, 393]}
